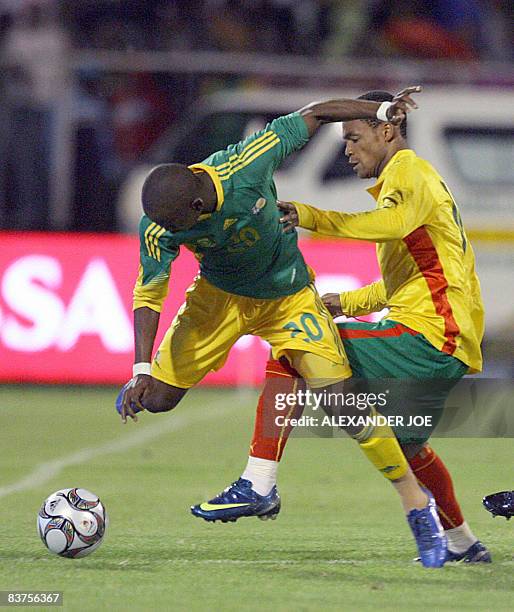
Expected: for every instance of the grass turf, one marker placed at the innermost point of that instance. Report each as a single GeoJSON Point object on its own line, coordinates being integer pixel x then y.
{"type": "Point", "coordinates": [340, 542]}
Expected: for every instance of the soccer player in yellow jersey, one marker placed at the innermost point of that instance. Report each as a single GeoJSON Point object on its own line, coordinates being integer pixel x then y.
{"type": "Point", "coordinates": [435, 323]}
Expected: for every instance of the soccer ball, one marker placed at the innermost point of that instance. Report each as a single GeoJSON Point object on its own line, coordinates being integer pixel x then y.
{"type": "Point", "coordinates": [72, 522]}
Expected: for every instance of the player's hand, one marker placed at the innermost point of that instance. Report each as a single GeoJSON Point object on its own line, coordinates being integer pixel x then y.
{"type": "Point", "coordinates": [333, 303]}
{"type": "Point", "coordinates": [402, 103]}
{"type": "Point", "coordinates": [134, 395]}
{"type": "Point", "coordinates": [289, 218]}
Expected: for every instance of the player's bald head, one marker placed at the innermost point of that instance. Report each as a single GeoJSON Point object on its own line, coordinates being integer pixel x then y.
{"type": "Point", "coordinates": [170, 196]}
{"type": "Point", "coordinates": [383, 96]}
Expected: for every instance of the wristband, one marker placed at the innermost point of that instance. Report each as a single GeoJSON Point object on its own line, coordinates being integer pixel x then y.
{"type": "Point", "coordinates": [382, 111]}
{"type": "Point", "coordinates": [143, 367]}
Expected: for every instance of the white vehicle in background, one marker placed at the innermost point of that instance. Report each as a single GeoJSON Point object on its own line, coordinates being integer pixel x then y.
{"type": "Point", "coordinates": [467, 134]}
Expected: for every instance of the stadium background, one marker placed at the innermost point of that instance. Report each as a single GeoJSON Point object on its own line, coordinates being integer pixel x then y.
{"type": "Point", "coordinates": [88, 89]}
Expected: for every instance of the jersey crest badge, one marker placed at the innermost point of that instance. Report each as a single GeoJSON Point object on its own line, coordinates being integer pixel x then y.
{"type": "Point", "coordinates": [259, 205]}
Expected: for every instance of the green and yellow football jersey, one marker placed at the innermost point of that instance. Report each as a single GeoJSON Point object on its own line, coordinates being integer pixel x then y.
{"type": "Point", "coordinates": [240, 246]}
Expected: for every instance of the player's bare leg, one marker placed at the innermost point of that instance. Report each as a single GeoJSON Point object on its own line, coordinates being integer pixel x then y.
{"type": "Point", "coordinates": [410, 492]}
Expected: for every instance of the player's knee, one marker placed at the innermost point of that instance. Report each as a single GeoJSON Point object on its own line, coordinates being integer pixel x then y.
{"type": "Point", "coordinates": [158, 404]}
{"type": "Point", "coordinates": [163, 399]}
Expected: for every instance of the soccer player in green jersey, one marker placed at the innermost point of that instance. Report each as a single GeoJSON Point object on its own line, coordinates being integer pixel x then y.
{"type": "Point", "coordinates": [253, 280]}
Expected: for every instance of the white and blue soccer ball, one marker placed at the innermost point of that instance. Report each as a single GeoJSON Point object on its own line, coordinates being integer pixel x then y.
{"type": "Point", "coordinates": [72, 522]}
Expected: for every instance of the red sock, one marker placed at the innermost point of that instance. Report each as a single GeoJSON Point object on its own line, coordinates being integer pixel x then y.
{"type": "Point", "coordinates": [269, 439]}
{"type": "Point", "coordinates": [433, 474]}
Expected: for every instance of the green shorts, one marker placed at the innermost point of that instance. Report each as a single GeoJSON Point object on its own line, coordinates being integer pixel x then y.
{"type": "Point", "coordinates": [390, 351]}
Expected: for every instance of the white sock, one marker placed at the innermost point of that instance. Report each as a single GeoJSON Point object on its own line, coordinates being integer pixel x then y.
{"type": "Point", "coordinates": [460, 538]}
{"type": "Point", "coordinates": [262, 473]}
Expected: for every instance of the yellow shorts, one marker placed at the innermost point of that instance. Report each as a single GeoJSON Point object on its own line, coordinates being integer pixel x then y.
{"type": "Point", "coordinates": [212, 320]}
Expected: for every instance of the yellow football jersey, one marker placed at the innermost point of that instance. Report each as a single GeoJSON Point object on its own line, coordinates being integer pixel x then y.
{"type": "Point", "coordinates": [427, 263]}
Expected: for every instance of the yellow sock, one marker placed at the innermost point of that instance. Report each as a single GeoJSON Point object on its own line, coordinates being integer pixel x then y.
{"type": "Point", "coordinates": [385, 453]}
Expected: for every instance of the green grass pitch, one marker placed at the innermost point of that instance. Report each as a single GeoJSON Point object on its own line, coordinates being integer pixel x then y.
{"type": "Point", "coordinates": [340, 542]}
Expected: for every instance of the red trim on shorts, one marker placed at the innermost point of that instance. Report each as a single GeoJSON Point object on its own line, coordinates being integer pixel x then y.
{"type": "Point", "coordinates": [425, 255]}
{"type": "Point", "coordinates": [397, 330]}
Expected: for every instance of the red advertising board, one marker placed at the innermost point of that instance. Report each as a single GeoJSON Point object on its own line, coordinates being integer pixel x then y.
{"type": "Point", "coordinates": [65, 305]}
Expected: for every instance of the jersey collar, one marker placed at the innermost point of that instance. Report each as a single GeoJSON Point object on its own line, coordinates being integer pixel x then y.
{"type": "Point", "coordinates": [375, 189]}
{"type": "Point", "coordinates": [217, 184]}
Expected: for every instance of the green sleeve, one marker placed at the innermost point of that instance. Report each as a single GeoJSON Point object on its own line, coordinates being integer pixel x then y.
{"type": "Point", "coordinates": [259, 155]}
{"type": "Point", "coordinates": [293, 133]}
{"type": "Point", "coordinates": [157, 250]}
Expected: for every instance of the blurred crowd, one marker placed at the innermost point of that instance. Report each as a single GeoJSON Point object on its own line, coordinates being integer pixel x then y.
{"type": "Point", "coordinates": [461, 29]}
{"type": "Point", "coordinates": [117, 117]}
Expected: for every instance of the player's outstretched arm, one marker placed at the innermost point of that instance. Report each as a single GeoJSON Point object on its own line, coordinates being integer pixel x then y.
{"type": "Point", "coordinates": [359, 302]}
{"type": "Point", "coordinates": [389, 222]}
{"type": "Point", "coordinates": [157, 251]}
{"type": "Point", "coordinates": [318, 113]}
{"type": "Point", "coordinates": [146, 322]}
